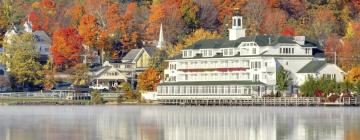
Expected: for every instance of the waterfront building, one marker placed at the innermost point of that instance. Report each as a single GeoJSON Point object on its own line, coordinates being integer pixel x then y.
{"type": "Point", "coordinates": [113, 73]}
{"type": "Point", "coordinates": [243, 66]}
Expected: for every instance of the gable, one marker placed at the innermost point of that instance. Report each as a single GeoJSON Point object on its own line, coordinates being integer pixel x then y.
{"type": "Point", "coordinates": [330, 68]}
{"type": "Point", "coordinates": [111, 74]}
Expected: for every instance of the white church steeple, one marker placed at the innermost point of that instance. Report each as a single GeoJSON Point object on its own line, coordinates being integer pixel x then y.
{"type": "Point", "coordinates": [237, 31]}
{"type": "Point", "coordinates": [161, 41]}
{"type": "Point", "coordinates": [28, 26]}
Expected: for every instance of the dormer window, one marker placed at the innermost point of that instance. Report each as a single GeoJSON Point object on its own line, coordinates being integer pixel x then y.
{"type": "Point", "coordinates": [225, 51]}
{"type": "Point", "coordinates": [207, 53]}
{"type": "Point", "coordinates": [254, 50]}
{"type": "Point", "coordinates": [187, 53]}
{"type": "Point", "coordinates": [228, 52]}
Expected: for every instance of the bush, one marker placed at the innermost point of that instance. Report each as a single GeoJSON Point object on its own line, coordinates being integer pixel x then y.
{"type": "Point", "coordinates": [333, 98]}
{"type": "Point", "coordinates": [96, 98]}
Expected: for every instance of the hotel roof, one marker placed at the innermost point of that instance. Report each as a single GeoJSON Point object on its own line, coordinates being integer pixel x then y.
{"type": "Point", "coordinates": [261, 40]}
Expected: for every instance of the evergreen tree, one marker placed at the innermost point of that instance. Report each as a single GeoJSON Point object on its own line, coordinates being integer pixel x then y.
{"type": "Point", "coordinates": [282, 79]}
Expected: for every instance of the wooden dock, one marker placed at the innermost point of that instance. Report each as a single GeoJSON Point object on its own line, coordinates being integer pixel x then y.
{"type": "Point", "coordinates": [268, 101]}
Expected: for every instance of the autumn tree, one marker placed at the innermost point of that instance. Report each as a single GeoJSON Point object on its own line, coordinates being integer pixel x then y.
{"type": "Point", "coordinates": [22, 59]}
{"type": "Point", "coordinates": [49, 78]}
{"type": "Point", "coordinates": [66, 47]}
{"type": "Point", "coordinates": [273, 22]}
{"type": "Point", "coordinates": [254, 13]}
{"type": "Point", "coordinates": [169, 14]}
{"type": "Point", "coordinates": [189, 10]}
{"type": "Point", "coordinates": [6, 16]}
{"type": "Point", "coordinates": [75, 13]}
{"type": "Point", "coordinates": [158, 60]}
{"type": "Point", "coordinates": [188, 40]}
{"type": "Point", "coordinates": [43, 15]}
{"type": "Point", "coordinates": [208, 15]}
{"type": "Point", "coordinates": [288, 31]}
{"type": "Point", "coordinates": [89, 30]}
{"type": "Point", "coordinates": [148, 80]}
{"type": "Point", "coordinates": [332, 45]}
{"type": "Point", "coordinates": [226, 7]}
{"type": "Point", "coordinates": [349, 49]}
{"type": "Point", "coordinates": [80, 75]}
{"type": "Point", "coordinates": [323, 23]}
{"type": "Point", "coordinates": [353, 76]}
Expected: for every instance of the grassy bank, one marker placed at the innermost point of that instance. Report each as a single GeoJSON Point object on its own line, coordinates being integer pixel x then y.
{"type": "Point", "coordinates": [51, 101]}
{"type": "Point", "coordinates": [42, 101]}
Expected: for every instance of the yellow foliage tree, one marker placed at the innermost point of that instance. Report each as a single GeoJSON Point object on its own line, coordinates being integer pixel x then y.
{"type": "Point", "coordinates": [353, 75]}
{"type": "Point", "coordinates": [199, 34]}
{"type": "Point", "coordinates": [149, 79]}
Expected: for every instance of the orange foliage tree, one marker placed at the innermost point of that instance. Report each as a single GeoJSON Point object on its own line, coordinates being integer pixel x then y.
{"type": "Point", "coordinates": [89, 30]}
{"type": "Point", "coordinates": [75, 13]}
{"type": "Point", "coordinates": [226, 7]}
{"type": "Point", "coordinates": [169, 14]}
{"type": "Point", "coordinates": [149, 79]}
{"type": "Point", "coordinates": [66, 47]}
{"type": "Point", "coordinates": [43, 15]}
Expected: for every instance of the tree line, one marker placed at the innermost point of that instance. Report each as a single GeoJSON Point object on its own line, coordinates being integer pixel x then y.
{"type": "Point", "coordinates": [113, 27]}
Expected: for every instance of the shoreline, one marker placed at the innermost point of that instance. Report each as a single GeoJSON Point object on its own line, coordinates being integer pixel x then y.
{"type": "Point", "coordinates": [39, 102]}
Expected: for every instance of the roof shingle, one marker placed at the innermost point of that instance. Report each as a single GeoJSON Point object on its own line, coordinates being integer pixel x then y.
{"type": "Point", "coordinates": [312, 67]}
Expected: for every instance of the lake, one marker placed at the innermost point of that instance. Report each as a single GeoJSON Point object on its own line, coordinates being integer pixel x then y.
{"type": "Point", "coordinates": [178, 123]}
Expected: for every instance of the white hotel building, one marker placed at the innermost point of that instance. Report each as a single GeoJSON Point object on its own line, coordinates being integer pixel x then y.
{"type": "Point", "coordinates": [242, 66]}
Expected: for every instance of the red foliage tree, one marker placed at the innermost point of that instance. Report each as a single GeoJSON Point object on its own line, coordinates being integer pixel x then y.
{"type": "Point", "coordinates": [44, 16]}
{"type": "Point", "coordinates": [288, 31]}
{"type": "Point", "coordinates": [66, 47]}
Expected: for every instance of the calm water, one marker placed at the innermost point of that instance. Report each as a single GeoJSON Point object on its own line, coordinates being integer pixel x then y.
{"type": "Point", "coordinates": [177, 123]}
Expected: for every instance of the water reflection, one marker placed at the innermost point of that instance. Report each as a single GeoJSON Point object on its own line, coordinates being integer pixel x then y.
{"type": "Point", "coordinates": [177, 123]}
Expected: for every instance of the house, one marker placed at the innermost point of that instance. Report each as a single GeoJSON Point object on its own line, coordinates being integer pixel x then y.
{"type": "Point", "coordinates": [242, 66]}
{"type": "Point", "coordinates": [107, 77]}
{"type": "Point", "coordinates": [42, 39]}
{"type": "Point", "coordinates": [113, 73]}
{"type": "Point", "coordinates": [317, 69]}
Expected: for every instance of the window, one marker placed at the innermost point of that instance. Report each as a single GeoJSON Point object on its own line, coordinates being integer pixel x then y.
{"type": "Point", "coordinates": [173, 78]}
{"type": "Point", "coordinates": [225, 52]}
{"type": "Point", "coordinates": [255, 77]}
{"type": "Point", "coordinates": [255, 65]}
{"type": "Point", "coordinates": [234, 22]}
{"type": "Point", "coordinates": [307, 50]}
{"type": "Point", "coordinates": [173, 66]}
{"type": "Point", "coordinates": [210, 52]}
{"type": "Point", "coordinates": [185, 54]}
{"type": "Point", "coordinates": [231, 52]}
{"type": "Point", "coordinates": [254, 50]}
{"type": "Point", "coordinates": [239, 22]}
{"type": "Point", "coordinates": [205, 53]}
{"type": "Point", "coordinates": [286, 50]}
{"type": "Point", "coordinates": [2, 72]}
